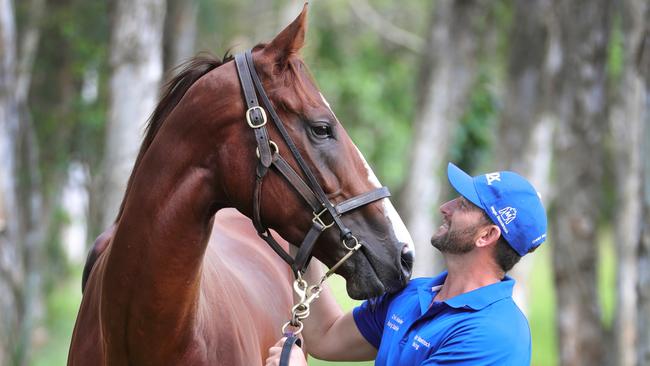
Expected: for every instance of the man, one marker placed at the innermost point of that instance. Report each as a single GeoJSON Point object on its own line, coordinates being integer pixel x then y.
{"type": "Point", "coordinates": [464, 316]}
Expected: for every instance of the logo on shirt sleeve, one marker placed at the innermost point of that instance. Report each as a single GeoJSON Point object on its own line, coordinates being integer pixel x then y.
{"type": "Point", "coordinates": [394, 322]}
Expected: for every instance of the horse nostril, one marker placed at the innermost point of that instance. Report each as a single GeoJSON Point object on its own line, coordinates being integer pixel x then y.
{"type": "Point", "coordinates": [407, 258]}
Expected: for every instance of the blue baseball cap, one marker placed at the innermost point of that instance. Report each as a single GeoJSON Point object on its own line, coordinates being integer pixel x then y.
{"type": "Point", "coordinates": [509, 200]}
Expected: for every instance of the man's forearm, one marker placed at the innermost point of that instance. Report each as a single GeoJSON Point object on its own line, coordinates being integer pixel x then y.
{"type": "Point", "coordinates": [329, 333]}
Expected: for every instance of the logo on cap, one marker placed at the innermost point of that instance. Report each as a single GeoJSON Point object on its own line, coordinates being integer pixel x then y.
{"type": "Point", "coordinates": [507, 214]}
{"type": "Point", "coordinates": [491, 177]}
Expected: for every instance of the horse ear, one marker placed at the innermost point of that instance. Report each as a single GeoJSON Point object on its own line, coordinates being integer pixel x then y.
{"type": "Point", "coordinates": [291, 39]}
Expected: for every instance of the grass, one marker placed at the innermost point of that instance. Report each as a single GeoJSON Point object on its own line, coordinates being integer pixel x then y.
{"type": "Point", "coordinates": [541, 315]}
{"type": "Point", "coordinates": [63, 303]}
{"type": "Point", "coordinates": [56, 332]}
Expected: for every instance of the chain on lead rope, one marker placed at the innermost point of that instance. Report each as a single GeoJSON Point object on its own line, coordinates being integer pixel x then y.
{"type": "Point", "coordinates": [307, 294]}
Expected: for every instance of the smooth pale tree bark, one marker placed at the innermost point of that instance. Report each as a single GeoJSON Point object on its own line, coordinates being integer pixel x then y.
{"type": "Point", "coordinates": [22, 231]}
{"type": "Point", "coordinates": [580, 92]}
{"type": "Point", "coordinates": [10, 252]}
{"type": "Point", "coordinates": [626, 123]}
{"type": "Point", "coordinates": [643, 252]}
{"type": "Point", "coordinates": [524, 135]}
{"type": "Point", "coordinates": [180, 32]}
{"type": "Point", "coordinates": [136, 73]}
{"type": "Point", "coordinates": [448, 70]}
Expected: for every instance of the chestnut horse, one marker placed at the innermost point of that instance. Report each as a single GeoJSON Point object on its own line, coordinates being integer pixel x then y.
{"type": "Point", "coordinates": [171, 283]}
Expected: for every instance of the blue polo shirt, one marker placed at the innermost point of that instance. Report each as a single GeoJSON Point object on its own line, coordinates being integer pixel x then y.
{"type": "Point", "coordinates": [480, 327]}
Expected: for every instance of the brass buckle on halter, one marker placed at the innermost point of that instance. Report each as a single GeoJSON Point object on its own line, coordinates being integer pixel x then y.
{"type": "Point", "coordinates": [317, 220]}
{"type": "Point", "coordinates": [249, 119]}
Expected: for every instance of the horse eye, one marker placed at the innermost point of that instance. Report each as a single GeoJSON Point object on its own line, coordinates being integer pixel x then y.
{"type": "Point", "coordinates": [322, 131]}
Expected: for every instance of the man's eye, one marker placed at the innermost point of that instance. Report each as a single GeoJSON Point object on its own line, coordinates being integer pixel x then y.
{"type": "Point", "coordinates": [322, 131]}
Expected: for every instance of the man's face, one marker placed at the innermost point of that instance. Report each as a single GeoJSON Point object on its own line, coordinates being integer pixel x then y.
{"type": "Point", "coordinates": [461, 220]}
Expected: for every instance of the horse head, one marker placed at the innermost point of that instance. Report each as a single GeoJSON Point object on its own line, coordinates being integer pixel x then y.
{"type": "Point", "coordinates": [384, 262]}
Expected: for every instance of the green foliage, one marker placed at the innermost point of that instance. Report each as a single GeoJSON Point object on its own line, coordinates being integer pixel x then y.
{"type": "Point", "coordinates": [616, 50]}
{"type": "Point", "coordinates": [541, 312]}
{"type": "Point", "coordinates": [73, 47]}
{"type": "Point", "coordinates": [606, 275]}
{"type": "Point", "coordinates": [370, 85]}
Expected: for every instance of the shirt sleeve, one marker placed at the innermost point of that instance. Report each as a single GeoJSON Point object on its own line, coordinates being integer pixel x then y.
{"type": "Point", "coordinates": [370, 317]}
{"type": "Point", "coordinates": [486, 344]}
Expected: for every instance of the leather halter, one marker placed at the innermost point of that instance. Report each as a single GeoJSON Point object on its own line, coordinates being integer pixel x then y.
{"type": "Point", "coordinates": [310, 191]}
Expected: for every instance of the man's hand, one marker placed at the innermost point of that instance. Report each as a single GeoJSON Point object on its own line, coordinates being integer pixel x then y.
{"type": "Point", "coordinates": [297, 358]}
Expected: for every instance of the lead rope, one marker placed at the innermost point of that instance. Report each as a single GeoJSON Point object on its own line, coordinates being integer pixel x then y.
{"type": "Point", "coordinates": [307, 294]}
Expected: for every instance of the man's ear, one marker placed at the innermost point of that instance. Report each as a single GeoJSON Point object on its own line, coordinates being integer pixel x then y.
{"type": "Point", "coordinates": [488, 235]}
{"type": "Point", "coordinates": [290, 40]}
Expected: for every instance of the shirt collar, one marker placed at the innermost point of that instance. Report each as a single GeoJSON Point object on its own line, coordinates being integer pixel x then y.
{"type": "Point", "coordinates": [475, 299]}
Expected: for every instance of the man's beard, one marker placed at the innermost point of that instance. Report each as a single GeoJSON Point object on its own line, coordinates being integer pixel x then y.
{"type": "Point", "coordinates": [455, 242]}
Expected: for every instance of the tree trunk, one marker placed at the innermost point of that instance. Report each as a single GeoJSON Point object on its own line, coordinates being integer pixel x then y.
{"type": "Point", "coordinates": [448, 69]}
{"type": "Point", "coordinates": [21, 188]}
{"type": "Point", "coordinates": [643, 280]}
{"type": "Point", "coordinates": [180, 32]}
{"type": "Point", "coordinates": [524, 135]}
{"type": "Point", "coordinates": [10, 251]}
{"type": "Point", "coordinates": [136, 72]}
{"type": "Point", "coordinates": [581, 101]}
{"type": "Point", "coordinates": [627, 130]}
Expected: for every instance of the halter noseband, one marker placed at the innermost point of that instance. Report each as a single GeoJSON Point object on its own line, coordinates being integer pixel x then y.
{"type": "Point", "coordinates": [311, 191]}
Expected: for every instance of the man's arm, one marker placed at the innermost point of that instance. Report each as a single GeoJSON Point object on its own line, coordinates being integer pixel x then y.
{"type": "Point", "coordinates": [329, 333]}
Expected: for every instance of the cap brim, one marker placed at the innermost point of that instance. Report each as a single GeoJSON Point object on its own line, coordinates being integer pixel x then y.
{"type": "Point", "coordinates": [463, 183]}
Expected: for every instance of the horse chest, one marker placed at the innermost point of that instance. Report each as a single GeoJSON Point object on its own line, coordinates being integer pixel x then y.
{"type": "Point", "coordinates": [246, 293]}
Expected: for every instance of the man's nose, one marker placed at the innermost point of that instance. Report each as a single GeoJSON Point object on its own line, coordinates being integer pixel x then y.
{"type": "Point", "coordinates": [448, 207]}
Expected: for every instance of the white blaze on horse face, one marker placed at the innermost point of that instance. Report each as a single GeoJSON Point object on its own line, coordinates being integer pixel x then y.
{"type": "Point", "coordinates": [399, 228]}
{"type": "Point", "coordinates": [326, 103]}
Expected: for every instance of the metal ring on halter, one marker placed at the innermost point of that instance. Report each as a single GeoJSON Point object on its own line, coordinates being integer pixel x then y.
{"type": "Point", "coordinates": [287, 324]}
{"type": "Point", "coordinates": [273, 147]}
{"type": "Point", "coordinates": [353, 247]}
{"type": "Point", "coordinates": [249, 120]}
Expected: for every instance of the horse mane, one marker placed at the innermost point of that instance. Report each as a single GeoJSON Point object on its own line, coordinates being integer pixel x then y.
{"type": "Point", "coordinates": [174, 90]}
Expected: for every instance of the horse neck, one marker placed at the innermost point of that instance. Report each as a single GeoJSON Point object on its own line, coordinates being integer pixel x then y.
{"type": "Point", "coordinates": [154, 265]}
